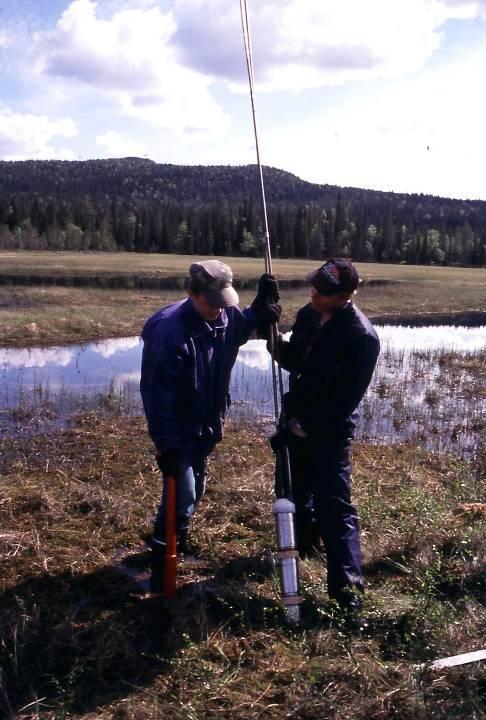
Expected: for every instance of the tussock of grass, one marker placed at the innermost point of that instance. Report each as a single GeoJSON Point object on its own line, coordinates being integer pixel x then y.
{"type": "Point", "coordinates": [78, 639]}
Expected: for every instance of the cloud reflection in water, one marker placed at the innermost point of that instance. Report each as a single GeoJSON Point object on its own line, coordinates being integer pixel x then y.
{"type": "Point", "coordinates": [414, 388]}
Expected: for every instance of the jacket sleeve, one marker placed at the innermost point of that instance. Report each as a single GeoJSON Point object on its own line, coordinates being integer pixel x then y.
{"type": "Point", "coordinates": [287, 355]}
{"type": "Point", "coordinates": [161, 368]}
{"type": "Point", "coordinates": [331, 407]}
{"type": "Point", "coordinates": [289, 352]}
{"type": "Point", "coordinates": [246, 322]}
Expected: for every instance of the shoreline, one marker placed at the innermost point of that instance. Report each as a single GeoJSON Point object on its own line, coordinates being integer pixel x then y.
{"type": "Point", "coordinates": [128, 281]}
{"type": "Point", "coordinates": [466, 318]}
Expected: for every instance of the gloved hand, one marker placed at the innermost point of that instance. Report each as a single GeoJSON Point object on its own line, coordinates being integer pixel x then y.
{"type": "Point", "coordinates": [296, 428]}
{"type": "Point", "coordinates": [270, 346]}
{"type": "Point", "coordinates": [266, 317]}
{"type": "Point", "coordinates": [267, 290]}
{"type": "Point", "coordinates": [278, 440]}
{"type": "Point", "coordinates": [265, 305]}
{"type": "Point", "coordinates": [270, 314]}
{"type": "Point", "coordinates": [168, 461]}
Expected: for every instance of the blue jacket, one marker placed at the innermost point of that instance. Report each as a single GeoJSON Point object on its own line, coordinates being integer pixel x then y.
{"type": "Point", "coordinates": [330, 367]}
{"type": "Point", "coordinates": [186, 368]}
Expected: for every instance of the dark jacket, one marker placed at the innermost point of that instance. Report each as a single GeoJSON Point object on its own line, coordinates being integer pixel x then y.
{"type": "Point", "coordinates": [186, 368]}
{"type": "Point", "coordinates": [330, 367]}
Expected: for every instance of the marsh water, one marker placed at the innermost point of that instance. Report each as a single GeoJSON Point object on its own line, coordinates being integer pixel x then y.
{"type": "Point", "coordinates": [428, 387]}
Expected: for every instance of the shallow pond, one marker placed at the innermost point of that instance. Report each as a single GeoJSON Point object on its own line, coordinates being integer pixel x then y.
{"type": "Point", "coordinates": [428, 386]}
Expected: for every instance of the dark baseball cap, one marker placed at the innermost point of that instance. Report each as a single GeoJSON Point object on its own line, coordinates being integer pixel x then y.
{"type": "Point", "coordinates": [213, 280]}
{"type": "Point", "coordinates": [337, 275]}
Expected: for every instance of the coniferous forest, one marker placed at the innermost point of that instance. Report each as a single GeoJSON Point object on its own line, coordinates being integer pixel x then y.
{"type": "Point", "coordinates": [137, 205]}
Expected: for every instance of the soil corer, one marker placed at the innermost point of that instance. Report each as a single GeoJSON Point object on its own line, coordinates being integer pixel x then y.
{"type": "Point", "coordinates": [283, 508]}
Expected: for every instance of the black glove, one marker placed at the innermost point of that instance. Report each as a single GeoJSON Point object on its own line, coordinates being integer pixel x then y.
{"type": "Point", "coordinates": [270, 314]}
{"type": "Point", "coordinates": [267, 290]}
{"type": "Point", "coordinates": [265, 305]}
{"type": "Point", "coordinates": [278, 441]}
{"type": "Point", "coordinates": [266, 317]}
{"type": "Point", "coordinates": [168, 461]}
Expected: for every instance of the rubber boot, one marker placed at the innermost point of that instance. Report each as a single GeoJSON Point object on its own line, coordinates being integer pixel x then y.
{"type": "Point", "coordinates": [185, 548]}
{"type": "Point", "coordinates": [182, 542]}
{"type": "Point", "coordinates": [350, 602]}
{"type": "Point", "coordinates": [307, 537]}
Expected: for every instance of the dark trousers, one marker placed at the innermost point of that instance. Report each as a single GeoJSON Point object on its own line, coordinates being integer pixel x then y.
{"type": "Point", "coordinates": [321, 485]}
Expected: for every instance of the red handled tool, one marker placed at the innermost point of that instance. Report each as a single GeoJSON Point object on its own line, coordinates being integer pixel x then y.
{"type": "Point", "coordinates": [170, 560]}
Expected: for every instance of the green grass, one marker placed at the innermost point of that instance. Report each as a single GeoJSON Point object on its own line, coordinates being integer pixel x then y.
{"type": "Point", "coordinates": [78, 641]}
{"type": "Point", "coordinates": [35, 315]}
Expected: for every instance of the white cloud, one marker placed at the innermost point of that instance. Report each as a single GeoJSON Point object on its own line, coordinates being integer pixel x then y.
{"type": "Point", "coordinates": [309, 43]}
{"type": "Point", "coordinates": [4, 41]}
{"type": "Point", "coordinates": [116, 54]}
{"type": "Point", "coordinates": [130, 57]}
{"type": "Point", "coordinates": [407, 137]}
{"type": "Point", "coordinates": [465, 9]}
{"type": "Point", "coordinates": [35, 357]}
{"type": "Point", "coordinates": [117, 145]}
{"type": "Point", "coordinates": [25, 135]}
{"type": "Point", "coordinates": [107, 348]}
{"type": "Point", "coordinates": [302, 44]}
{"type": "Point", "coordinates": [160, 64]}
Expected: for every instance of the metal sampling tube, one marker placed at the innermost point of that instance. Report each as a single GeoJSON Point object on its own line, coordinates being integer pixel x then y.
{"type": "Point", "coordinates": [287, 557]}
{"type": "Point", "coordinates": [284, 508]}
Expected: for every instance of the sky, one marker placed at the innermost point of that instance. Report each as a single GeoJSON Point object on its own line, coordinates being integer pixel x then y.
{"type": "Point", "coordinates": [382, 94]}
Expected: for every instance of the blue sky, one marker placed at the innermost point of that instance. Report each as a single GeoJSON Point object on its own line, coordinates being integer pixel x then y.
{"type": "Point", "coordinates": [385, 94]}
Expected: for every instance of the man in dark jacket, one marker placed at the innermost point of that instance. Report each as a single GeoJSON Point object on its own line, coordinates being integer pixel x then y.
{"type": "Point", "coordinates": [331, 356]}
{"type": "Point", "coordinates": [190, 348]}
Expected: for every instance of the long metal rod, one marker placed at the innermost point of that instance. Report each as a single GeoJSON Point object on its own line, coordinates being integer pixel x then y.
{"type": "Point", "coordinates": [277, 376]}
{"type": "Point", "coordinates": [245, 22]}
{"type": "Point", "coordinates": [283, 508]}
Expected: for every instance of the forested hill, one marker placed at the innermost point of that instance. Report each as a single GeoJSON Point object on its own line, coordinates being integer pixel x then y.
{"type": "Point", "coordinates": [135, 178]}
{"type": "Point", "coordinates": [138, 205]}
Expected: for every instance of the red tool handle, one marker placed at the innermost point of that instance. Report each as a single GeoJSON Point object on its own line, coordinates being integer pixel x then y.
{"type": "Point", "coordinates": [170, 564]}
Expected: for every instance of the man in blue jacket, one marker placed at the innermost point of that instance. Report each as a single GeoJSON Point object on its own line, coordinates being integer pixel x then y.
{"type": "Point", "coordinates": [189, 350]}
{"type": "Point", "coordinates": [331, 356]}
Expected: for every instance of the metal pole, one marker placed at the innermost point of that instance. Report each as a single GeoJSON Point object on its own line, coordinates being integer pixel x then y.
{"type": "Point", "coordinates": [283, 508]}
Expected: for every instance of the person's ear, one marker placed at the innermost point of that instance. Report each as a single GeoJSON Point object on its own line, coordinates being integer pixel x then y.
{"type": "Point", "coordinates": [344, 297]}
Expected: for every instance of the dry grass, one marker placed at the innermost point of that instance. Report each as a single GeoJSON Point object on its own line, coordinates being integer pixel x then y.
{"type": "Point", "coordinates": [57, 315]}
{"type": "Point", "coordinates": [79, 263]}
{"type": "Point", "coordinates": [32, 315]}
{"type": "Point", "coordinates": [79, 641]}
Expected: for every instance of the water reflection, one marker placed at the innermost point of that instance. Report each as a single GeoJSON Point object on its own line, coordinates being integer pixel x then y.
{"type": "Point", "coordinates": [427, 388]}
{"type": "Point", "coordinates": [443, 337]}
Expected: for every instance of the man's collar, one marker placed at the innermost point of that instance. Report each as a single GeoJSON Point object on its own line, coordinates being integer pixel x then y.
{"type": "Point", "coordinates": [198, 325]}
{"type": "Point", "coordinates": [341, 311]}
{"type": "Point", "coordinates": [345, 307]}
{"type": "Point", "coordinates": [338, 313]}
